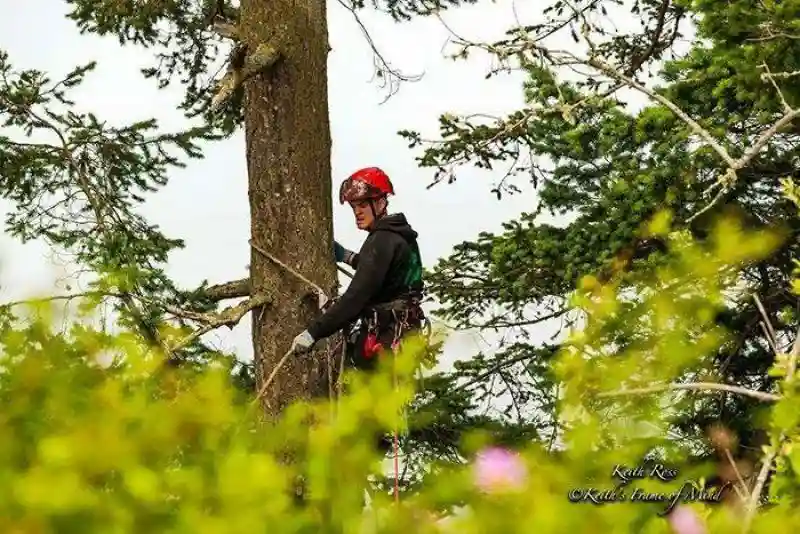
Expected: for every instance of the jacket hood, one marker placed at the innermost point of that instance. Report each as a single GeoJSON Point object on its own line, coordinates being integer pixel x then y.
{"type": "Point", "coordinates": [396, 223]}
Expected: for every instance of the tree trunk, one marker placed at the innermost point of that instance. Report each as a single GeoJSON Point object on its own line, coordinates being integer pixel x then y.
{"type": "Point", "coordinates": [288, 157]}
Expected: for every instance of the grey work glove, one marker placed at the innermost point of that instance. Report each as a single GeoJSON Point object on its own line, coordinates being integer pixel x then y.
{"type": "Point", "coordinates": [303, 343]}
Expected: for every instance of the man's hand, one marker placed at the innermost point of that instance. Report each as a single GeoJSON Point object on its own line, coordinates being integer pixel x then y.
{"type": "Point", "coordinates": [303, 343]}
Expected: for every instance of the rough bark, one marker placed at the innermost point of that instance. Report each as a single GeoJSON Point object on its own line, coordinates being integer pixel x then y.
{"type": "Point", "coordinates": [288, 156]}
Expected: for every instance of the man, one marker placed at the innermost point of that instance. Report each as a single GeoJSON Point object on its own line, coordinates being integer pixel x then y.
{"type": "Point", "coordinates": [386, 290]}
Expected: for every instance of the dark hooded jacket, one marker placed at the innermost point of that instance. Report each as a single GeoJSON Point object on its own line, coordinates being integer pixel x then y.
{"type": "Point", "coordinates": [388, 267]}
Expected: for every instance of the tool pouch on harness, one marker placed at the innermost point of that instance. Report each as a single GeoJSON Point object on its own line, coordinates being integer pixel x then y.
{"type": "Point", "coordinates": [382, 327]}
{"type": "Point", "coordinates": [387, 323]}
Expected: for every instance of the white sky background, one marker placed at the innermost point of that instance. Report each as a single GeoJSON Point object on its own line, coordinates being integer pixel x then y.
{"type": "Point", "coordinates": [206, 204]}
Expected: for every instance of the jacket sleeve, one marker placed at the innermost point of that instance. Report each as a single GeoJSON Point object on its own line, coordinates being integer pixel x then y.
{"type": "Point", "coordinates": [351, 259]}
{"type": "Point", "coordinates": [374, 261]}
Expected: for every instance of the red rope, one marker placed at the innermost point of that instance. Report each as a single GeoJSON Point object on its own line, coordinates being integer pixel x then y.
{"type": "Point", "coordinates": [396, 468]}
{"type": "Point", "coordinates": [395, 348]}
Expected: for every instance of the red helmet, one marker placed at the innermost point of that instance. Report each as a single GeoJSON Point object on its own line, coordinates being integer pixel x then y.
{"type": "Point", "coordinates": [365, 184]}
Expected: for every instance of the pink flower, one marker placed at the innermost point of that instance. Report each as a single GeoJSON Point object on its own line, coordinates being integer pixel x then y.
{"type": "Point", "coordinates": [684, 520]}
{"type": "Point", "coordinates": [496, 468]}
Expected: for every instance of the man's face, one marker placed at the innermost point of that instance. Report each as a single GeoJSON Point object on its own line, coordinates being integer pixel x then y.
{"type": "Point", "coordinates": [362, 210]}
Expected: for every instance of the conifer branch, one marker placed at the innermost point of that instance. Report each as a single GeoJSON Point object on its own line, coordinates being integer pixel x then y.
{"type": "Point", "coordinates": [695, 386]}
{"type": "Point", "coordinates": [729, 178]}
{"type": "Point", "coordinates": [209, 321]}
{"type": "Point", "coordinates": [531, 49]}
{"type": "Point", "coordinates": [229, 317]}
{"type": "Point", "coordinates": [777, 446]}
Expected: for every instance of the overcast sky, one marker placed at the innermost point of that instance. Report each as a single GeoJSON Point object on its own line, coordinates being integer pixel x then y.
{"type": "Point", "coordinates": [206, 204]}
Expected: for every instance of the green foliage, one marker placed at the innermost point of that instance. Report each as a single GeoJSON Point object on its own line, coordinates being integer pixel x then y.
{"type": "Point", "coordinates": [135, 445]}
{"type": "Point", "coordinates": [99, 436]}
{"type": "Point", "coordinates": [606, 170]}
{"type": "Point", "coordinates": [185, 47]}
{"type": "Point", "coordinates": [661, 308]}
{"type": "Point", "coordinates": [77, 182]}
{"type": "Point", "coordinates": [99, 171]}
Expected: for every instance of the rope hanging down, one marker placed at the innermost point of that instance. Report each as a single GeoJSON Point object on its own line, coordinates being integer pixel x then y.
{"type": "Point", "coordinates": [322, 300]}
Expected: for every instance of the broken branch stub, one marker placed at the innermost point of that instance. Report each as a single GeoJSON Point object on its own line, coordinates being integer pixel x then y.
{"type": "Point", "coordinates": [226, 30]}
{"type": "Point", "coordinates": [228, 290]}
{"type": "Point", "coordinates": [228, 317]}
{"type": "Point", "coordinates": [241, 67]}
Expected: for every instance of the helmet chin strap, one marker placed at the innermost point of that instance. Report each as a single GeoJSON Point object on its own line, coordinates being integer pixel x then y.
{"type": "Point", "coordinates": [376, 215]}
